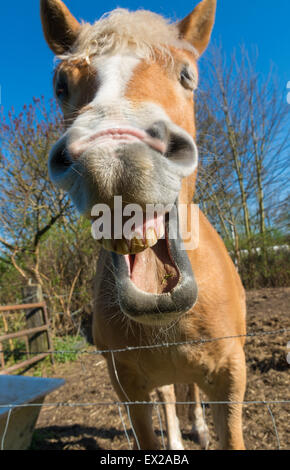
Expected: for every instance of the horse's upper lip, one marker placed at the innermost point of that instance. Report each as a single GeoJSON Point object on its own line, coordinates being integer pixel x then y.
{"type": "Point", "coordinates": [117, 135]}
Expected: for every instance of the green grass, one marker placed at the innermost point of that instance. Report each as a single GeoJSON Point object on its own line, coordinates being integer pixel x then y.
{"type": "Point", "coordinates": [17, 354]}
{"type": "Point", "coordinates": [67, 347]}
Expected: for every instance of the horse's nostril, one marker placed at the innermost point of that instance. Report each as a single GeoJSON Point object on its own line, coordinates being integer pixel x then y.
{"type": "Point", "coordinates": [182, 151]}
{"type": "Point", "coordinates": [60, 158]}
{"type": "Point", "coordinates": [159, 131]}
{"type": "Point", "coordinates": [178, 144]}
{"type": "Point", "coordinates": [59, 163]}
{"type": "Point", "coordinates": [64, 158]}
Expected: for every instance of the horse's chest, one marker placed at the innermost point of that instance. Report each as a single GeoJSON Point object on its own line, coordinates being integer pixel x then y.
{"type": "Point", "coordinates": [169, 364]}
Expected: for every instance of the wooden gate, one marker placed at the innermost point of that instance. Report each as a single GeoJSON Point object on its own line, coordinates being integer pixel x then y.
{"type": "Point", "coordinates": [31, 335]}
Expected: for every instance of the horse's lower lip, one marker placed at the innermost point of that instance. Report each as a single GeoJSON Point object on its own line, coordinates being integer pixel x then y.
{"type": "Point", "coordinates": [116, 136]}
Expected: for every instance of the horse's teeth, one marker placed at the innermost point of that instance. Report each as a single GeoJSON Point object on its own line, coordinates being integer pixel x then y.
{"type": "Point", "coordinates": [161, 230]}
{"type": "Point", "coordinates": [137, 244]}
{"type": "Point", "coordinates": [133, 246]}
{"type": "Point", "coordinates": [121, 247]}
{"type": "Point", "coordinates": [151, 237]}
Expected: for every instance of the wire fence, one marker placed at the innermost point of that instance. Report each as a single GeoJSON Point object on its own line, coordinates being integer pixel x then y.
{"type": "Point", "coordinates": [164, 344]}
{"type": "Point", "coordinates": [155, 403]}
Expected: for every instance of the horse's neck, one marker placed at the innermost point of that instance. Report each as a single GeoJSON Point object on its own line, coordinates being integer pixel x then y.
{"type": "Point", "coordinates": [188, 189]}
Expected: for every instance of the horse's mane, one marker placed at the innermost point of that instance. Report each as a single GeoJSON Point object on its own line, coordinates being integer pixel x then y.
{"type": "Point", "coordinates": [142, 31]}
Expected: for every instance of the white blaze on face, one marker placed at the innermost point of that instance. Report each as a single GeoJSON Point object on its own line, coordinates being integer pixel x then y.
{"type": "Point", "coordinates": [114, 73]}
{"type": "Point", "coordinates": [106, 110]}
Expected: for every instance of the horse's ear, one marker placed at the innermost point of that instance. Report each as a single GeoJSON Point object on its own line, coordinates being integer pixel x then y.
{"type": "Point", "coordinates": [196, 28]}
{"type": "Point", "coordinates": [59, 26]}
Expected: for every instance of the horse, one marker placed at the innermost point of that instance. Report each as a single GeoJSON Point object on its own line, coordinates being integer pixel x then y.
{"type": "Point", "coordinates": [126, 86]}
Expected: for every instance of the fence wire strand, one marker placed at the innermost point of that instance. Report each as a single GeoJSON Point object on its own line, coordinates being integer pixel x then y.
{"type": "Point", "coordinates": [160, 426]}
{"type": "Point", "coordinates": [274, 425]}
{"type": "Point", "coordinates": [141, 403]}
{"type": "Point", "coordinates": [197, 341]}
{"type": "Point", "coordinates": [6, 429]}
{"type": "Point", "coordinates": [125, 394]}
{"type": "Point", "coordinates": [124, 427]}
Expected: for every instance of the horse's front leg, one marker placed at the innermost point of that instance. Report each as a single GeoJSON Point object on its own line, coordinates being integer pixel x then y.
{"type": "Point", "coordinates": [199, 430]}
{"type": "Point", "coordinates": [132, 387]}
{"type": "Point", "coordinates": [229, 388]}
{"type": "Point", "coordinates": [167, 396]}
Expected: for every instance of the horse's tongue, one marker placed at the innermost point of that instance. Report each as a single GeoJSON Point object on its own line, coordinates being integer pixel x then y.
{"type": "Point", "coordinates": [153, 271]}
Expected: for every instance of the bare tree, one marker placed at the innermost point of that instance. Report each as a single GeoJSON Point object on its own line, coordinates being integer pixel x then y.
{"type": "Point", "coordinates": [42, 239]}
{"type": "Point", "coordinates": [29, 205]}
{"type": "Point", "coordinates": [244, 144]}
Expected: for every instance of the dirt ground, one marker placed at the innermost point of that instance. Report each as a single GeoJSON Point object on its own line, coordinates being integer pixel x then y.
{"type": "Point", "coordinates": [100, 427]}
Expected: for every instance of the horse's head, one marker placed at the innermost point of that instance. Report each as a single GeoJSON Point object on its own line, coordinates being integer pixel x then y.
{"type": "Point", "coordinates": [126, 85]}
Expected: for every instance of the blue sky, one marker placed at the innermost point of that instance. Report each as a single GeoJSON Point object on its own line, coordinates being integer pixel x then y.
{"type": "Point", "coordinates": [27, 64]}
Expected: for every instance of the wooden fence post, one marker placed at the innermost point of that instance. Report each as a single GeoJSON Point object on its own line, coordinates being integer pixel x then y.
{"type": "Point", "coordinates": [38, 342]}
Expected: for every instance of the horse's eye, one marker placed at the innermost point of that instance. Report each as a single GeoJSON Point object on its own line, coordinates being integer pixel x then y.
{"type": "Point", "coordinates": [187, 78]}
{"type": "Point", "coordinates": [61, 89]}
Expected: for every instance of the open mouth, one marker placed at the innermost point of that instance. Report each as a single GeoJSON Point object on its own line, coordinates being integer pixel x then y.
{"type": "Point", "coordinates": [156, 285]}
{"type": "Point", "coordinates": [153, 269]}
